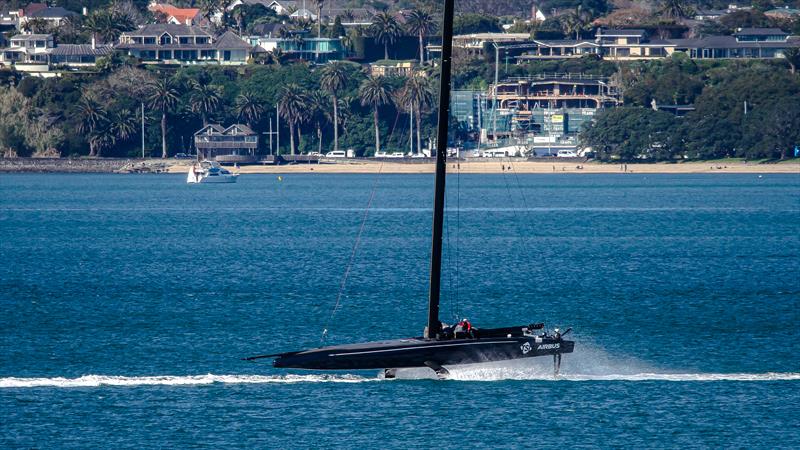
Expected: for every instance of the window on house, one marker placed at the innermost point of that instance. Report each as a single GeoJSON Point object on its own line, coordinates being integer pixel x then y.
{"type": "Point", "coordinates": [165, 39]}
{"type": "Point", "coordinates": [184, 40]}
{"type": "Point", "coordinates": [201, 40]}
{"type": "Point", "coordinates": [150, 41]}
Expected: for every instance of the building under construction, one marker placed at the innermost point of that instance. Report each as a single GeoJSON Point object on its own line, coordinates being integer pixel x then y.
{"type": "Point", "coordinates": [540, 112]}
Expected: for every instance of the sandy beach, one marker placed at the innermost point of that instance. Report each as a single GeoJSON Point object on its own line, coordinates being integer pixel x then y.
{"type": "Point", "coordinates": [362, 166]}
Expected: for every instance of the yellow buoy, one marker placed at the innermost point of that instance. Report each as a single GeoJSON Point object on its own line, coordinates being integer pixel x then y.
{"type": "Point", "coordinates": [280, 178]}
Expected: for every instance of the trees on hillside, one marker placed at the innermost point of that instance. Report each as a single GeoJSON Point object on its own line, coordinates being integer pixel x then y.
{"type": "Point", "coordinates": [749, 112]}
{"type": "Point", "coordinates": [631, 134]}
{"type": "Point", "coordinates": [475, 23]}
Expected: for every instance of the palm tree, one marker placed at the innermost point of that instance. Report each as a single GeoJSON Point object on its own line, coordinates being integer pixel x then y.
{"type": "Point", "coordinates": [107, 25]}
{"type": "Point", "coordinates": [102, 139]}
{"type": "Point", "coordinates": [417, 94]}
{"type": "Point", "coordinates": [248, 108]}
{"type": "Point", "coordinates": [208, 8]}
{"type": "Point", "coordinates": [162, 96]}
{"type": "Point", "coordinates": [375, 92]}
{"type": "Point", "coordinates": [238, 16]}
{"type": "Point", "coordinates": [333, 79]}
{"type": "Point", "coordinates": [205, 99]}
{"type": "Point", "coordinates": [792, 55]}
{"type": "Point", "coordinates": [93, 119]}
{"type": "Point", "coordinates": [576, 21]}
{"type": "Point", "coordinates": [123, 124]}
{"type": "Point", "coordinates": [292, 106]}
{"type": "Point", "coordinates": [224, 7]}
{"type": "Point", "coordinates": [36, 25]}
{"type": "Point", "coordinates": [318, 113]}
{"type": "Point", "coordinates": [385, 30]}
{"type": "Point", "coordinates": [422, 24]}
{"type": "Point", "coordinates": [675, 9]}
{"type": "Point", "coordinates": [319, 3]}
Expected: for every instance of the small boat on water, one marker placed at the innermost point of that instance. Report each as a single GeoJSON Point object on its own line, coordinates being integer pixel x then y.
{"type": "Point", "coordinates": [210, 172]}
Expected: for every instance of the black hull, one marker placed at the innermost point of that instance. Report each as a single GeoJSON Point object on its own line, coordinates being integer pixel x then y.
{"type": "Point", "coordinates": [420, 352]}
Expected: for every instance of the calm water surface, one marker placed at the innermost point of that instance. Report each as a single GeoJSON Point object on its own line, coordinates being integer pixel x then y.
{"type": "Point", "coordinates": [128, 301]}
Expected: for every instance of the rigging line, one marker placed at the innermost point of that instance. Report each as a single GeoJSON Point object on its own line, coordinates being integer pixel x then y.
{"type": "Point", "coordinates": [449, 264]}
{"type": "Point", "coordinates": [524, 204]}
{"type": "Point", "coordinates": [514, 210]}
{"type": "Point", "coordinates": [458, 236]}
{"type": "Point", "coordinates": [357, 242]}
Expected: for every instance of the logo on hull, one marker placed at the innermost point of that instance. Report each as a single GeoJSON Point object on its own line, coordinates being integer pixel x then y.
{"type": "Point", "coordinates": [526, 347]}
{"type": "Point", "coordinates": [548, 346]}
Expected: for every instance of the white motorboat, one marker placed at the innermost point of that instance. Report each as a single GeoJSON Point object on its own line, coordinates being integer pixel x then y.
{"type": "Point", "coordinates": [210, 172]}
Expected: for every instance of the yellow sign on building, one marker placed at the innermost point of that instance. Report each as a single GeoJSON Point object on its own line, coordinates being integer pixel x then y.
{"type": "Point", "coordinates": [557, 118]}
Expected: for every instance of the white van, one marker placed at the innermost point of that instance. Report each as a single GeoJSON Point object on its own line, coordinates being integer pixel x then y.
{"type": "Point", "coordinates": [495, 153]}
{"type": "Point", "coordinates": [566, 154]}
{"type": "Point", "coordinates": [336, 154]}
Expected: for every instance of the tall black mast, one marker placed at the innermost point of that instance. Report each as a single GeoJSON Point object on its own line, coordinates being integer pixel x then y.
{"type": "Point", "coordinates": [434, 326]}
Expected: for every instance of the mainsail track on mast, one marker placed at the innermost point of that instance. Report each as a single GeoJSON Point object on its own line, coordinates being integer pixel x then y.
{"type": "Point", "coordinates": [434, 326]}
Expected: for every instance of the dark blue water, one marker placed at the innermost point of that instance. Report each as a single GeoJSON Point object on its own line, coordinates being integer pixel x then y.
{"type": "Point", "coordinates": [128, 301]}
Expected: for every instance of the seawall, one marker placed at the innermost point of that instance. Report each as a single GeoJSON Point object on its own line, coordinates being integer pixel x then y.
{"type": "Point", "coordinates": [82, 165]}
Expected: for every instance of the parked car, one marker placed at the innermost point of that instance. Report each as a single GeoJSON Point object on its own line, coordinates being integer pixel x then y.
{"type": "Point", "coordinates": [566, 154]}
{"type": "Point", "coordinates": [183, 156]}
{"type": "Point", "coordinates": [336, 154]}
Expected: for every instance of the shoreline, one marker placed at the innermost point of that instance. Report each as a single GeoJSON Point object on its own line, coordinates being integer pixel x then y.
{"type": "Point", "coordinates": [130, 165]}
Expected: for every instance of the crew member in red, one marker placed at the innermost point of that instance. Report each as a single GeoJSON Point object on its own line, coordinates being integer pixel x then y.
{"type": "Point", "coordinates": [463, 329]}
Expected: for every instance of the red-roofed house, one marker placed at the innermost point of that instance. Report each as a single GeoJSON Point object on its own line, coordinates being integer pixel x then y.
{"type": "Point", "coordinates": [177, 16]}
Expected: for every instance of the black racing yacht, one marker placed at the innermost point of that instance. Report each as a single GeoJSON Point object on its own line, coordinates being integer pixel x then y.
{"type": "Point", "coordinates": [439, 346]}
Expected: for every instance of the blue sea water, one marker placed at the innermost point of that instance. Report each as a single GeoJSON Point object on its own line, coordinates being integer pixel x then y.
{"type": "Point", "coordinates": [127, 303]}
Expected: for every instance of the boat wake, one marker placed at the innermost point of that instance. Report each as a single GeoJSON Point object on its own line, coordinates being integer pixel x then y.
{"type": "Point", "coordinates": [458, 374]}
{"type": "Point", "coordinates": [168, 380]}
{"type": "Point", "coordinates": [590, 364]}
